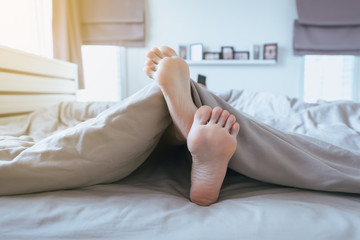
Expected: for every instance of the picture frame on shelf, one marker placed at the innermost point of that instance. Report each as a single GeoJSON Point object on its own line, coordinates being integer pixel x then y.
{"type": "Point", "coordinates": [212, 55]}
{"type": "Point", "coordinates": [242, 55]}
{"type": "Point", "coordinates": [227, 53]}
{"type": "Point", "coordinates": [270, 51]}
{"type": "Point", "coordinates": [196, 51]}
{"type": "Point", "coordinates": [183, 52]}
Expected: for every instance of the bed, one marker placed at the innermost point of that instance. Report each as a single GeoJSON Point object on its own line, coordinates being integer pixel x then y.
{"type": "Point", "coordinates": [141, 191]}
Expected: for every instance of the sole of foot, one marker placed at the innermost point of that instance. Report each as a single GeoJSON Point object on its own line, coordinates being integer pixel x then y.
{"type": "Point", "coordinates": [211, 142]}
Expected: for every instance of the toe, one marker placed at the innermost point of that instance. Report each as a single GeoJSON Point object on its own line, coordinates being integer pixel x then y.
{"type": "Point", "coordinates": [158, 52]}
{"type": "Point", "coordinates": [153, 57]}
{"type": "Point", "coordinates": [230, 122]}
{"type": "Point", "coordinates": [215, 115]}
{"type": "Point", "coordinates": [223, 117]}
{"type": "Point", "coordinates": [167, 51]}
{"type": "Point", "coordinates": [151, 65]}
{"type": "Point", "coordinates": [202, 115]}
{"type": "Point", "coordinates": [235, 129]}
{"type": "Point", "coordinates": [149, 72]}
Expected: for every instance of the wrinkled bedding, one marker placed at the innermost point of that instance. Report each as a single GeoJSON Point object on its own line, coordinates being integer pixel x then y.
{"type": "Point", "coordinates": [100, 146]}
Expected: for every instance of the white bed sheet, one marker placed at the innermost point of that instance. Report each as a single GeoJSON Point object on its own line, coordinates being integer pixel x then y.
{"type": "Point", "coordinates": [153, 203]}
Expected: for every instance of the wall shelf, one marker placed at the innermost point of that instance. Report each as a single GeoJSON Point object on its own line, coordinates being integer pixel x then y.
{"type": "Point", "coordinates": [230, 62]}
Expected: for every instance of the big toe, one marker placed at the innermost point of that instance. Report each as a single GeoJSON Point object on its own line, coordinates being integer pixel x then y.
{"type": "Point", "coordinates": [202, 115]}
{"type": "Point", "coordinates": [167, 51]}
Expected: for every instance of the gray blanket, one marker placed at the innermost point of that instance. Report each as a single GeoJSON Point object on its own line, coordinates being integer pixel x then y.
{"type": "Point", "coordinates": [107, 146]}
{"type": "Point", "coordinates": [290, 159]}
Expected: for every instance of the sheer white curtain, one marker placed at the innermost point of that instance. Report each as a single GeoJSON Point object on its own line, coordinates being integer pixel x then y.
{"type": "Point", "coordinates": [26, 25]}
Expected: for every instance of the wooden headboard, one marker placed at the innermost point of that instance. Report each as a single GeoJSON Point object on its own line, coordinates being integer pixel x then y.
{"type": "Point", "coordinates": [28, 82]}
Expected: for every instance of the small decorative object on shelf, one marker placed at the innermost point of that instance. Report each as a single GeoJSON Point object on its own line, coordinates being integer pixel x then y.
{"type": "Point", "coordinates": [242, 55]}
{"type": "Point", "coordinates": [270, 51]}
{"type": "Point", "coordinates": [196, 51]}
{"type": "Point", "coordinates": [256, 51]}
{"type": "Point", "coordinates": [183, 51]}
{"type": "Point", "coordinates": [212, 55]}
{"type": "Point", "coordinates": [227, 53]}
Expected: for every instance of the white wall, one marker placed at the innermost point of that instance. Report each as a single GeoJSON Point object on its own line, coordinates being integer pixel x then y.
{"type": "Point", "coordinates": [216, 23]}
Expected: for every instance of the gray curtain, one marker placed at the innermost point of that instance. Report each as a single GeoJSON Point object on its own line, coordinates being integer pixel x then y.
{"type": "Point", "coordinates": [113, 22]}
{"type": "Point", "coordinates": [327, 27]}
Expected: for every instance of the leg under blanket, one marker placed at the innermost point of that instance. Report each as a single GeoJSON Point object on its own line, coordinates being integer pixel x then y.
{"type": "Point", "coordinates": [112, 145]}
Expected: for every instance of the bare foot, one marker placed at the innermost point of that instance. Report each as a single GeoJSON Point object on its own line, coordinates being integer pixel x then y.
{"type": "Point", "coordinates": [172, 74]}
{"type": "Point", "coordinates": [210, 134]}
{"type": "Point", "coordinates": [211, 142]}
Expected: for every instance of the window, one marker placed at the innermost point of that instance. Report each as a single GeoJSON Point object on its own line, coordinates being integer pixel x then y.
{"type": "Point", "coordinates": [101, 73]}
{"type": "Point", "coordinates": [331, 78]}
{"type": "Point", "coordinates": [26, 25]}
